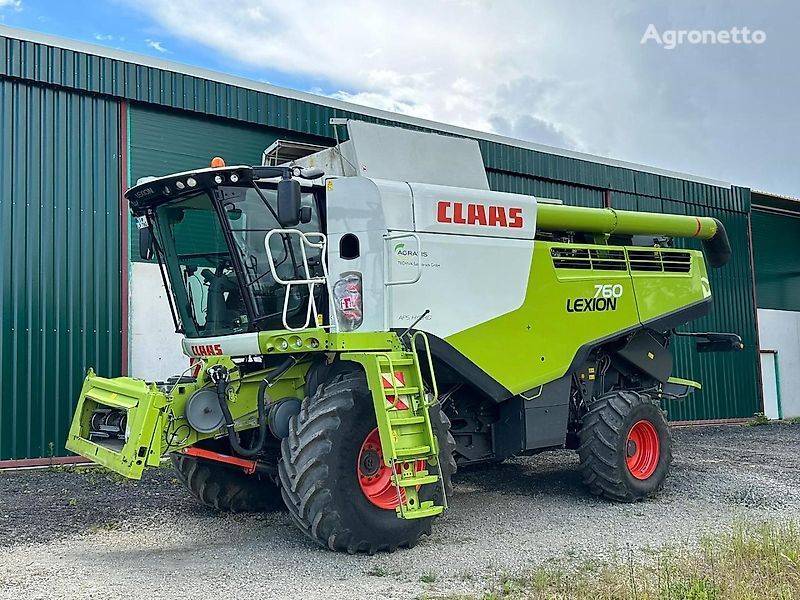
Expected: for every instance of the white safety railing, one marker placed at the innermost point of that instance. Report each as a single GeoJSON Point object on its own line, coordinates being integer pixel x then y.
{"type": "Point", "coordinates": [312, 312]}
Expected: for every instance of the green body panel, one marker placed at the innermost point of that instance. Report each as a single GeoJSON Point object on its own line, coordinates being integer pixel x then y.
{"type": "Point", "coordinates": [143, 404]}
{"type": "Point", "coordinates": [537, 343]}
{"type": "Point", "coordinates": [696, 385]}
{"type": "Point", "coordinates": [658, 294]}
{"type": "Point", "coordinates": [730, 381]}
{"type": "Point", "coordinates": [156, 421]}
{"type": "Point", "coordinates": [319, 340]}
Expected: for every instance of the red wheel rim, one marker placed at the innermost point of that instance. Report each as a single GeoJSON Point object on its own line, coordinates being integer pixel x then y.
{"type": "Point", "coordinates": [643, 449]}
{"type": "Point", "coordinates": [374, 477]}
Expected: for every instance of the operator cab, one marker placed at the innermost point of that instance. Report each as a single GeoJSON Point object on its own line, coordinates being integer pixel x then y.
{"type": "Point", "coordinates": [208, 229]}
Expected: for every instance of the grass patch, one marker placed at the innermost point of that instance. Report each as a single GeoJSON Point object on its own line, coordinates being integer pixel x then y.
{"type": "Point", "coordinates": [759, 418]}
{"type": "Point", "coordinates": [747, 561]}
{"type": "Point", "coordinates": [107, 526]}
{"type": "Point", "coordinates": [378, 571]}
{"type": "Point", "coordinates": [93, 469]}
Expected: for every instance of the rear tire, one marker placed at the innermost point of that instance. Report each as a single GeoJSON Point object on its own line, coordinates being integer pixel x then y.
{"type": "Point", "coordinates": [625, 446]}
{"type": "Point", "coordinates": [226, 488]}
{"type": "Point", "coordinates": [320, 478]}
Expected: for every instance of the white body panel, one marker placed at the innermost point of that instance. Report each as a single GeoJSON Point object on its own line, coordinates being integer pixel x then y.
{"type": "Point", "coordinates": [362, 204]}
{"type": "Point", "coordinates": [242, 344]}
{"type": "Point", "coordinates": [464, 258]}
{"type": "Point", "coordinates": [397, 154]}
{"type": "Point", "coordinates": [466, 280]}
{"type": "Point", "coordinates": [462, 211]}
{"type": "Point", "coordinates": [363, 207]}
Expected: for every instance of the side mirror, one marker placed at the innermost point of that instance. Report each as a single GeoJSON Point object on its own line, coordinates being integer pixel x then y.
{"type": "Point", "coordinates": [305, 214]}
{"type": "Point", "coordinates": [146, 243]}
{"type": "Point", "coordinates": [288, 202]}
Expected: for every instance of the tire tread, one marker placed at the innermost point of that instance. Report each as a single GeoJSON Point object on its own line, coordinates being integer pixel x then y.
{"type": "Point", "coordinates": [599, 440]}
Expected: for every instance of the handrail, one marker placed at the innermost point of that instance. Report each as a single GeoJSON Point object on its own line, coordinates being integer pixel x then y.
{"type": "Point", "coordinates": [427, 345]}
{"type": "Point", "coordinates": [312, 311]}
{"type": "Point", "coordinates": [427, 405]}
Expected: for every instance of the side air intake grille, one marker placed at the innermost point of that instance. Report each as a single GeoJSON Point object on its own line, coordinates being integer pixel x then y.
{"type": "Point", "coordinates": [588, 258]}
{"type": "Point", "coordinates": [660, 262]}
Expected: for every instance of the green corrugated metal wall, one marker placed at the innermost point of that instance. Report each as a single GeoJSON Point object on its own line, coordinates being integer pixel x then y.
{"type": "Point", "coordinates": [775, 253]}
{"type": "Point", "coordinates": [60, 294]}
{"type": "Point", "coordinates": [162, 141]}
{"type": "Point", "coordinates": [149, 85]}
{"type": "Point", "coordinates": [173, 120]}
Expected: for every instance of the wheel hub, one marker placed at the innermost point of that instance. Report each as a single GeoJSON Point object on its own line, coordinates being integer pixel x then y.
{"type": "Point", "coordinates": [375, 477]}
{"type": "Point", "coordinates": [370, 462]}
{"type": "Point", "coordinates": [631, 448]}
{"type": "Point", "coordinates": [643, 449]}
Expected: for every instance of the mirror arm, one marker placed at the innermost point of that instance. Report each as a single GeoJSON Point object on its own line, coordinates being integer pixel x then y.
{"type": "Point", "coordinates": [265, 201]}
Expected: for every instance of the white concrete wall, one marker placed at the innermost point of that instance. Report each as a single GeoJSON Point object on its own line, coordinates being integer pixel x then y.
{"type": "Point", "coordinates": [780, 330]}
{"type": "Point", "coordinates": [155, 348]}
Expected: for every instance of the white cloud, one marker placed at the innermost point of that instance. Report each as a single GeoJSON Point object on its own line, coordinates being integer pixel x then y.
{"type": "Point", "coordinates": [103, 37]}
{"type": "Point", "coordinates": [447, 62]}
{"type": "Point", "coordinates": [568, 75]}
{"type": "Point", "coordinates": [155, 45]}
{"type": "Point", "coordinates": [14, 4]}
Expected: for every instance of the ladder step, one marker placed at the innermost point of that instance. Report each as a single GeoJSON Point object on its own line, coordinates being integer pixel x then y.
{"type": "Point", "coordinates": [418, 480]}
{"type": "Point", "coordinates": [395, 421]}
{"type": "Point", "coordinates": [396, 362]}
{"type": "Point", "coordinates": [401, 391]}
{"type": "Point", "coordinates": [417, 452]}
{"type": "Point", "coordinates": [426, 509]}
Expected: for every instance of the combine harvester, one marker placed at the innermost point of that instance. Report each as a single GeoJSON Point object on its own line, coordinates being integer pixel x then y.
{"type": "Point", "coordinates": [368, 317]}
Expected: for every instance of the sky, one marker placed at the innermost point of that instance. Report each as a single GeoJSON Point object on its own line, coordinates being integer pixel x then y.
{"type": "Point", "coordinates": [612, 78]}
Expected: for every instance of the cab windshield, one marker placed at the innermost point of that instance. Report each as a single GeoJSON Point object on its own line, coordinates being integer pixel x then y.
{"type": "Point", "coordinates": [213, 249]}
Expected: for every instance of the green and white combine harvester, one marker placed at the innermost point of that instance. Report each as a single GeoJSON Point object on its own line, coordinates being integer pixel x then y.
{"type": "Point", "coordinates": [366, 318]}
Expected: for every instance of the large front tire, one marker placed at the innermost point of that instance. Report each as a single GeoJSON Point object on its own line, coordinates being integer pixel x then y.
{"type": "Point", "coordinates": [319, 471]}
{"type": "Point", "coordinates": [625, 446]}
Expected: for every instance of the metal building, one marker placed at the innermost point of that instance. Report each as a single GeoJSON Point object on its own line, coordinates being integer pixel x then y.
{"type": "Point", "coordinates": [776, 234]}
{"type": "Point", "coordinates": [80, 123]}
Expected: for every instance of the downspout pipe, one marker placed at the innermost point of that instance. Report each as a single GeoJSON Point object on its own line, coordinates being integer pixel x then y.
{"type": "Point", "coordinates": [558, 217]}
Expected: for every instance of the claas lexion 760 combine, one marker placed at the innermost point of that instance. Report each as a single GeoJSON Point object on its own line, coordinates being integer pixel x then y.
{"type": "Point", "coordinates": [368, 317]}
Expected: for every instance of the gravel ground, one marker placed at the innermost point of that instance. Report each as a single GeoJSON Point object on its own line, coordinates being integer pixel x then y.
{"type": "Point", "coordinates": [88, 535]}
